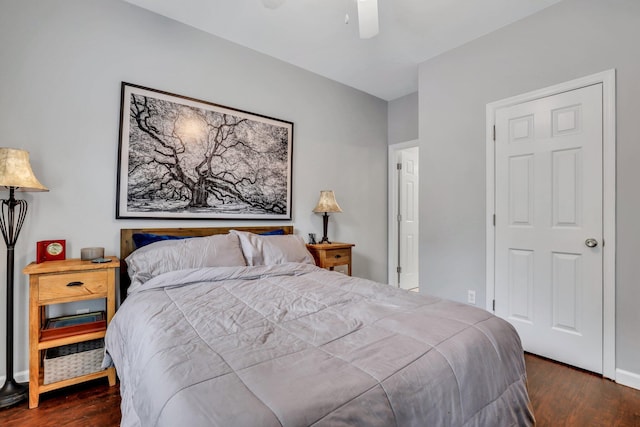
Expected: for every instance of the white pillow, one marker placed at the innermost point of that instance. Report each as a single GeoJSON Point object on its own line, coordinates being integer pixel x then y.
{"type": "Point", "coordinates": [275, 249]}
{"type": "Point", "coordinates": [220, 250]}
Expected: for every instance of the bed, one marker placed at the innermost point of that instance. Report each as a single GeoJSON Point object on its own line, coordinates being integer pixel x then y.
{"type": "Point", "coordinates": [281, 342]}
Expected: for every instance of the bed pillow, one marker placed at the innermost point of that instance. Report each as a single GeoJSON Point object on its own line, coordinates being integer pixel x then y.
{"type": "Point", "coordinates": [273, 249]}
{"type": "Point", "coordinates": [278, 232]}
{"type": "Point", "coordinates": [144, 239]}
{"type": "Point", "coordinates": [220, 250]}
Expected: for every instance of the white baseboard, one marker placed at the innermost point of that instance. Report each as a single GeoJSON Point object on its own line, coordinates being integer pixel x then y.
{"type": "Point", "coordinates": [628, 379]}
{"type": "Point", "coordinates": [21, 377]}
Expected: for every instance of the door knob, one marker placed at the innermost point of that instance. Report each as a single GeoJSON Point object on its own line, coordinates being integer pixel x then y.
{"type": "Point", "coordinates": [592, 243]}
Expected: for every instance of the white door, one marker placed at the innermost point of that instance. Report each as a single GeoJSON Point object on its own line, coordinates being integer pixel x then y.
{"type": "Point", "coordinates": [549, 224]}
{"type": "Point", "coordinates": [408, 218]}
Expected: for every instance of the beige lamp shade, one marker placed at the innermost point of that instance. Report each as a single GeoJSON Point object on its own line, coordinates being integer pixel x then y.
{"type": "Point", "coordinates": [327, 202]}
{"type": "Point", "coordinates": [15, 171]}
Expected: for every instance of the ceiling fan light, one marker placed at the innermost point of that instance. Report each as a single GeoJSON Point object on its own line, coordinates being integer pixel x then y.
{"type": "Point", "coordinates": [368, 18]}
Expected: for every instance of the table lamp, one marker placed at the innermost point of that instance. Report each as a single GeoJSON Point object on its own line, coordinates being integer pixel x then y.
{"type": "Point", "coordinates": [327, 203]}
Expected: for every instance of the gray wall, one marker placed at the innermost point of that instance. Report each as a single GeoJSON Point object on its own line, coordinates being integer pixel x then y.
{"type": "Point", "coordinates": [403, 119]}
{"type": "Point", "coordinates": [62, 65]}
{"type": "Point", "coordinates": [572, 39]}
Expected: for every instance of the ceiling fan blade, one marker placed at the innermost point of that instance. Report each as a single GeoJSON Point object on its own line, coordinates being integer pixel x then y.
{"type": "Point", "coordinates": [368, 18]}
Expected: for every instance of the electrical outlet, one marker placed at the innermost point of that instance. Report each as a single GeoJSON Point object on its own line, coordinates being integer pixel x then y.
{"type": "Point", "coordinates": [82, 311]}
{"type": "Point", "coordinates": [471, 297]}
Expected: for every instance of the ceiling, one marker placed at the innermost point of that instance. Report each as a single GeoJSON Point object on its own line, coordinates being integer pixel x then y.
{"type": "Point", "coordinates": [312, 34]}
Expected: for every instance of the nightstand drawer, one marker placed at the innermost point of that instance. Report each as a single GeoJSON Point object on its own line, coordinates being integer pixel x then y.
{"type": "Point", "coordinates": [337, 257]}
{"type": "Point", "coordinates": [91, 284]}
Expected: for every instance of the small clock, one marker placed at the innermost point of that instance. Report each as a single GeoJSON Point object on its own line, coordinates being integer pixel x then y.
{"type": "Point", "coordinates": [50, 250]}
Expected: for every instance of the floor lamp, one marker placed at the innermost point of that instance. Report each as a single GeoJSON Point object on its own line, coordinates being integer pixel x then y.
{"type": "Point", "coordinates": [15, 175]}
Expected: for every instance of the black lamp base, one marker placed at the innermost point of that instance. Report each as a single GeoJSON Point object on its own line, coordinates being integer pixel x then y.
{"type": "Point", "coordinates": [12, 214]}
{"type": "Point", "coordinates": [12, 393]}
{"type": "Point", "coordinates": [325, 225]}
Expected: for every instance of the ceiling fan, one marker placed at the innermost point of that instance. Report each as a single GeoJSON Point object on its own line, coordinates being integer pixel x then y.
{"type": "Point", "coordinates": [367, 15]}
{"type": "Point", "coordinates": [368, 18]}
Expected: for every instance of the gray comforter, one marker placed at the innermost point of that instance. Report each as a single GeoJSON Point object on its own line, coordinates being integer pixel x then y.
{"type": "Point", "coordinates": [295, 345]}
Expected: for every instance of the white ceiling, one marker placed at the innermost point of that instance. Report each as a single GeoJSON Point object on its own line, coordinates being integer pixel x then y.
{"type": "Point", "coordinates": [312, 34]}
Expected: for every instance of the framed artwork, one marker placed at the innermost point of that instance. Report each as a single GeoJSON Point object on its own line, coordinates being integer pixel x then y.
{"type": "Point", "coordinates": [183, 158]}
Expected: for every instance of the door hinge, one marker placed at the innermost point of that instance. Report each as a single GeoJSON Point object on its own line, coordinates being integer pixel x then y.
{"type": "Point", "coordinates": [398, 166]}
{"type": "Point", "coordinates": [494, 132]}
{"type": "Point", "coordinates": [398, 269]}
{"type": "Point", "coordinates": [494, 305]}
{"type": "Point", "coordinates": [494, 220]}
{"type": "Point", "coordinates": [399, 218]}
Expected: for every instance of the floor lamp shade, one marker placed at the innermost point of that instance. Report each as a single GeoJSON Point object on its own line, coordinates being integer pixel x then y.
{"type": "Point", "coordinates": [16, 172]}
{"type": "Point", "coordinates": [326, 204]}
{"type": "Point", "coordinates": [15, 175]}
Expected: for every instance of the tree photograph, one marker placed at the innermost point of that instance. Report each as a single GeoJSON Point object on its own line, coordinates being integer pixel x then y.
{"type": "Point", "coordinates": [183, 158]}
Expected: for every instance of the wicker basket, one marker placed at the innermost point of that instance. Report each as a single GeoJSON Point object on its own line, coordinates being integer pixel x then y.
{"type": "Point", "coordinates": [73, 360]}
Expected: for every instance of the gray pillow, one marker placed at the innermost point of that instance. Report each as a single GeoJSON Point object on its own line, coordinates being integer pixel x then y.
{"type": "Point", "coordinates": [271, 250]}
{"type": "Point", "coordinates": [220, 250]}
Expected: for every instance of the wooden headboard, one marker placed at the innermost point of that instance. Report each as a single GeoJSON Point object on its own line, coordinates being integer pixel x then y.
{"type": "Point", "coordinates": [127, 245]}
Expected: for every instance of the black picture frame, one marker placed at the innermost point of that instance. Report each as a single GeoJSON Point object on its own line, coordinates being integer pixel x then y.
{"type": "Point", "coordinates": [185, 158]}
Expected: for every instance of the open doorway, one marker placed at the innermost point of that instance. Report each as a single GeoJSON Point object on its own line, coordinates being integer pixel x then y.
{"type": "Point", "coordinates": [403, 215]}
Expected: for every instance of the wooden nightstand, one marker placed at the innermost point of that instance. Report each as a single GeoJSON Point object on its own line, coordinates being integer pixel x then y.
{"type": "Point", "coordinates": [330, 255]}
{"type": "Point", "coordinates": [56, 282]}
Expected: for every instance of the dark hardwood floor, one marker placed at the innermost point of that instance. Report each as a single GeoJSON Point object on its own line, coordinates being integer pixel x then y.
{"type": "Point", "coordinates": [92, 404]}
{"type": "Point", "coordinates": [565, 396]}
{"type": "Point", "coordinates": [560, 395]}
